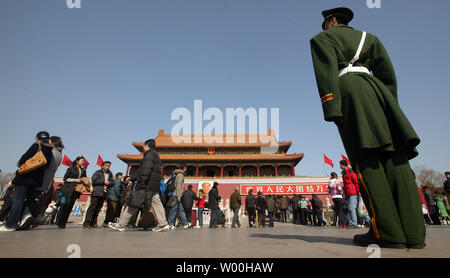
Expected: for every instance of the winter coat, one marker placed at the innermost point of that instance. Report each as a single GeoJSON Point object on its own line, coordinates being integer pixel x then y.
{"type": "Point", "coordinates": [250, 201]}
{"type": "Point", "coordinates": [350, 182]}
{"type": "Point", "coordinates": [335, 189]}
{"type": "Point", "coordinates": [295, 202]}
{"type": "Point", "coordinates": [303, 204]}
{"type": "Point", "coordinates": [271, 205]}
{"type": "Point", "coordinates": [98, 183]}
{"type": "Point", "coordinates": [149, 173]}
{"type": "Point", "coordinates": [447, 205]}
{"type": "Point", "coordinates": [235, 200]}
{"type": "Point", "coordinates": [317, 204]}
{"type": "Point", "coordinates": [213, 198]}
{"type": "Point", "coordinates": [68, 188]}
{"type": "Point", "coordinates": [440, 203]}
{"type": "Point", "coordinates": [114, 192]}
{"type": "Point", "coordinates": [261, 204]}
{"type": "Point", "coordinates": [201, 201]}
{"type": "Point", "coordinates": [447, 186]}
{"type": "Point", "coordinates": [179, 183]}
{"type": "Point", "coordinates": [188, 199]}
{"type": "Point", "coordinates": [284, 203]}
{"type": "Point", "coordinates": [50, 171]}
{"type": "Point", "coordinates": [36, 177]}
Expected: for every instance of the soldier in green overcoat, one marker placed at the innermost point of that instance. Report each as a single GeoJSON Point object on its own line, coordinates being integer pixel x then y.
{"type": "Point", "coordinates": [358, 91]}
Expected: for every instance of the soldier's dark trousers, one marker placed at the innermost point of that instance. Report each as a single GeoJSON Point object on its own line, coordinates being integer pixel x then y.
{"type": "Point", "coordinates": [389, 190]}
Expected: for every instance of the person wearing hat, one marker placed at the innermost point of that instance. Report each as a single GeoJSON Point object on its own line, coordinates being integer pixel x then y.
{"type": "Point", "coordinates": [25, 183]}
{"type": "Point", "coordinates": [358, 91]}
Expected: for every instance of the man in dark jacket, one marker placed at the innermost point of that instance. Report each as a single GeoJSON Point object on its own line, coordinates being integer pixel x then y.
{"type": "Point", "coordinates": [235, 205]}
{"type": "Point", "coordinates": [101, 180]}
{"type": "Point", "coordinates": [213, 205]}
{"type": "Point", "coordinates": [25, 183]}
{"type": "Point", "coordinates": [250, 208]}
{"type": "Point", "coordinates": [188, 202]}
{"type": "Point", "coordinates": [148, 178]}
{"type": "Point", "coordinates": [284, 206]}
{"type": "Point", "coordinates": [317, 207]}
{"type": "Point", "coordinates": [261, 208]}
{"type": "Point", "coordinates": [113, 200]}
{"type": "Point", "coordinates": [271, 208]}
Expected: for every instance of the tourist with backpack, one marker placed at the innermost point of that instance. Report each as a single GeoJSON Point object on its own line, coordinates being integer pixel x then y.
{"type": "Point", "coordinates": [303, 205]}
{"type": "Point", "coordinates": [146, 191]}
{"type": "Point", "coordinates": [335, 190]}
{"type": "Point", "coordinates": [176, 207]}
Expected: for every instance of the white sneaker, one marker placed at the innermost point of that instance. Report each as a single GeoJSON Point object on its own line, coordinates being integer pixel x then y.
{"type": "Point", "coordinates": [116, 227]}
{"type": "Point", "coordinates": [6, 229]}
{"type": "Point", "coordinates": [172, 227]}
{"type": "Point", "coordinates": [187, 226]}
{"type": "Point", "coordinates": [161, 229]}
{"type": "Point", "coordinates": [197, 227]}
{"type": "Point", "coordinates": [1, 223]}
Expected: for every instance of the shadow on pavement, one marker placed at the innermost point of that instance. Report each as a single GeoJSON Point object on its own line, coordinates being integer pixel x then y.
{"type": "Point", "coordinates": [336, 240]}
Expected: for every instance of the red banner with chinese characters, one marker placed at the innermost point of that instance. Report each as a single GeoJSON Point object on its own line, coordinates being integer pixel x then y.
{"type": "Point", "coordinates": [285, 189]}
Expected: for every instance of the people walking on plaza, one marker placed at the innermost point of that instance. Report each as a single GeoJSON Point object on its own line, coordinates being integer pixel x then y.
{"type": "Point", "coordinates": [295, 210]}
{"type": "Point", "coordinates": [26, 179]}
{"type": "Point", "coordinates": [303, 206]}
{"type": "Point", "coordinates": [432, 206]}
{"type": "Point", "coordinates": [446, 202]}
{"type": "Point", "coordinates": [188, 202]}
{"type": "Point", "coordinates": [441, 206]}
{"type": "Point", "coordinates": [176, 208]}
{"type": "Point", "coordinates": [351, 191]}
{"type": "Point", "coordinates": [358, 90]}
{"type": "Point", "coordinates": [284, 206]}
{"type": "Point", "coordinates": [317, 207]}
{"type": "Point", "coordinates": [101, 180]}
{"type": "Point", "coordinates": [200, 207]}
{"type": "Point", "coordinates": [113, 194]}
{"type": "Point", "coordinates": [146, 180]}
{"type": "Point", "coordinates": [250, 208]}
{"type": "Point", "coordinates": [235, 206]}
{"type": "Point", "coordinates": [261, 208]}
{"type": "Point", "coordinates": [213, 205]}
{"type": "Point", "coordinates": [271, 208]}
{"type": "Point", "coordinates": [71, 179]}
{"type": "Point", "coordinates": [336, 191]}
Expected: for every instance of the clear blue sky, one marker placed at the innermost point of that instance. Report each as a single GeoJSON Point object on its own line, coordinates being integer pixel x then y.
{"type": "Point", "coordinates": [112, 72]}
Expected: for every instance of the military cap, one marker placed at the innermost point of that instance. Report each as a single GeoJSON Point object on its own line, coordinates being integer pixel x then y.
{"type": "Point", "coordinates": [342, 13]}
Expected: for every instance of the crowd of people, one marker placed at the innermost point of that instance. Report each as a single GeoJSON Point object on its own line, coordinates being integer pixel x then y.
{"type": "Point", "coordinates": [164, 205]}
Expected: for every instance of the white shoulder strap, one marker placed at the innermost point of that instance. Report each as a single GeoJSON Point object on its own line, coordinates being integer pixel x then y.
{"type": "Point", "coordinates": [358, 52]}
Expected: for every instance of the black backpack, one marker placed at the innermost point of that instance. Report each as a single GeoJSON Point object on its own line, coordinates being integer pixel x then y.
{"type": "Point", "coordinates": [170, 188]}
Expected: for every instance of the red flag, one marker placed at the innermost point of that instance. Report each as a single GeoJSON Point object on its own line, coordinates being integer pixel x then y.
{"type": "Point", "coordinates": [86, 163]}
{"type": "Point", "coordinates": [99, 161]}
{"type": "Point", "coordinates": [66, 161]}
{"type": "Point", "coordinates": [346, 159]}
{"type": "Point", "coordinates": [326, 160]}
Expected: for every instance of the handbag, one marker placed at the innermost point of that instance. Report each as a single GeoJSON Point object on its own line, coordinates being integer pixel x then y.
{"type": "Point", "coordinates": [35, 162]}
{"type": "Point", "coordinates": [137, 197]}
{"type": "Point", "coordinates": [84, 186]}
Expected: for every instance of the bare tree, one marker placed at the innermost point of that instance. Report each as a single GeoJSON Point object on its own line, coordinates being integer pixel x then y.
{"type": "Point", "coordinates": [5, 178]}
{"type": "Point", "coordinates": [428, 177]}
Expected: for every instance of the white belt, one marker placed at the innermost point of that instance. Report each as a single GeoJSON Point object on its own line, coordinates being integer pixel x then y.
{"type": "Point", "coordinates": [353, 69]}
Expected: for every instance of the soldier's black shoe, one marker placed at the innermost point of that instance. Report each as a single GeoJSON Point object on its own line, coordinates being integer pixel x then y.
{"type": "Point", "coordinates": [368, 239]}
{"type": "Point", "coordinates": [416, 246]}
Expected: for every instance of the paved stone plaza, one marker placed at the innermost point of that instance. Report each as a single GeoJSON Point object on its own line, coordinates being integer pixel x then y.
{"type": "Point", "coordinates": [283, 241]}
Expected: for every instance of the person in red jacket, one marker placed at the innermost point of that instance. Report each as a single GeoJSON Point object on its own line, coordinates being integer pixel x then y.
{"type": "Point", "coordinates": [201, 207]}
{"type": "Point", "coordinates": [351, 191]}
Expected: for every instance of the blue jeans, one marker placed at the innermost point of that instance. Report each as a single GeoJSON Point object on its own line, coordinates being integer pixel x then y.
{"type": "Point", "coordinates": [23, 195]}
{"type": "Point", "coordinates": [200, 216]}
{"type": "Point", "coordinates": [352, 209]}
{"type": "Point", "coordinates": [177, 208]}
